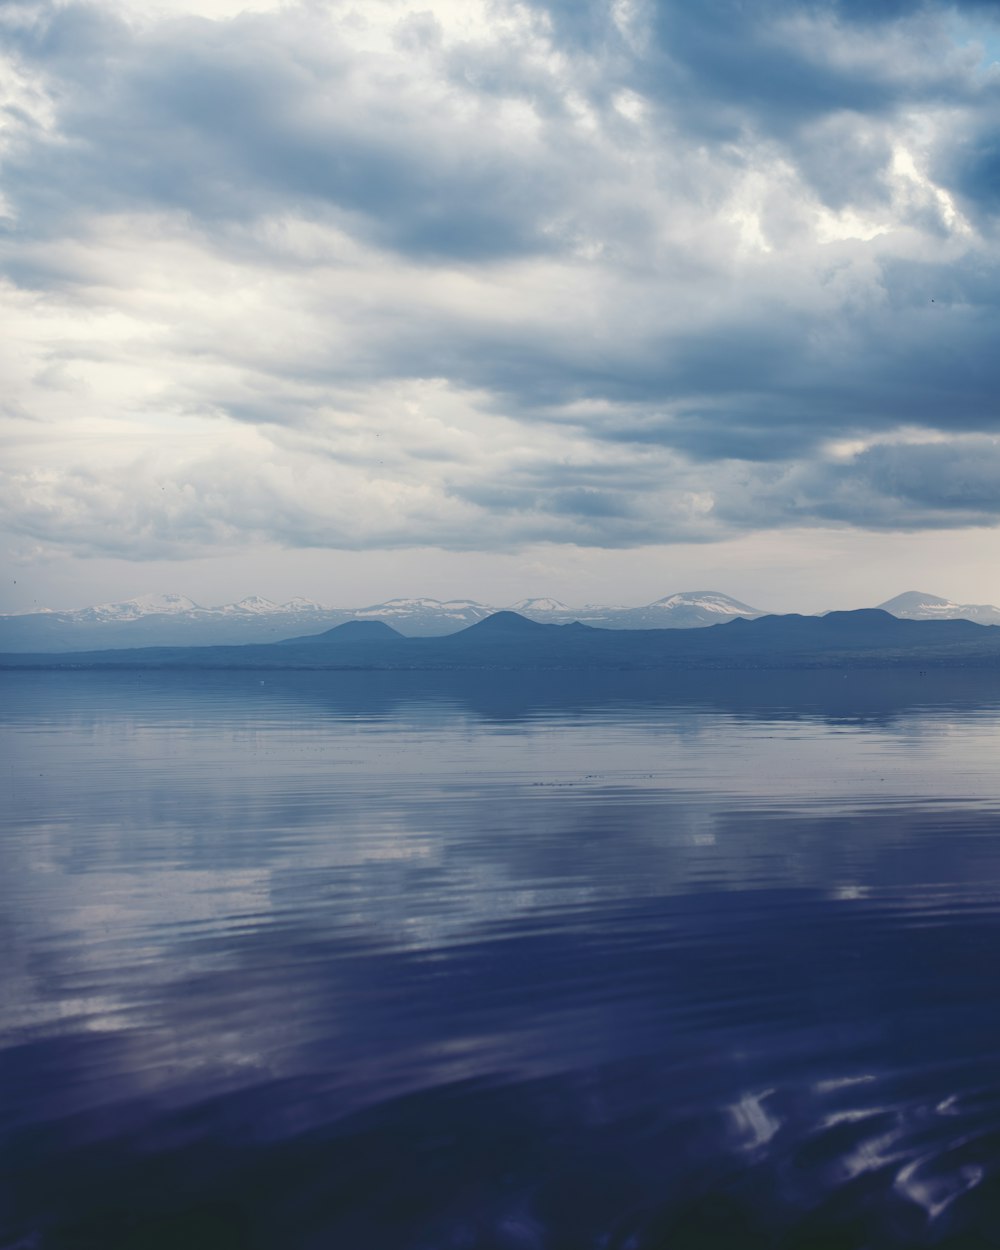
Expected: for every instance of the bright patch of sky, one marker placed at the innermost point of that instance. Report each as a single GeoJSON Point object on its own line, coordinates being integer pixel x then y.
{"type": "Point", "coordinates": [979, 35]}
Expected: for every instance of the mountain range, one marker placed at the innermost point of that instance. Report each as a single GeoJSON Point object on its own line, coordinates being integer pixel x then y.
{"type": "Point", "coordinates": [868, 637]}
{"type": "Point", "coordinates": [174, 620]}
{"type": "Point", "coordinates": [171, 620]}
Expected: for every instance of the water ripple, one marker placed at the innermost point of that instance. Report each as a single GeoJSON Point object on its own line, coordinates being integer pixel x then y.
{"type": "Point", "coordinates": [413, 967]}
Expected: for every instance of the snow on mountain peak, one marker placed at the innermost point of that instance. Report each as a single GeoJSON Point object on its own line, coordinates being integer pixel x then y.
{"type": "Point", "coordinates": [423, 604]}
{"type": "Point", "coordinates": [256, 604]}
{"type": "Point", "coordinates": [917, 605]}
{"type": "Point", "coordinates": [298, 604]}
{"type": "Point", "coordinates": [409, 603]}
{"type": "Point", "coordinates": [143, 605]}
{"type": "Point", "coordinates": [707, 600]}
{"type": "Point", "coordinates": [538, 605]}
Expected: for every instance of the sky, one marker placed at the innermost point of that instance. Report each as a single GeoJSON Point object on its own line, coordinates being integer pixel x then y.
{"type": "Point", "coordinates": [597, 300]}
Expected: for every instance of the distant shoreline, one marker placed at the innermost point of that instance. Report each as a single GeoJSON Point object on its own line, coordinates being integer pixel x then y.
{"type": "Point", "coordinates": [506, 642]}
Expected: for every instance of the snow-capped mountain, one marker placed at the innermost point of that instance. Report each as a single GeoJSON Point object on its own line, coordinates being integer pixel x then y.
{"type": "Point", "coordinates": [688, 609]}
{"type": "Point", "coordinates": [527, 606]}
{"type": "Point", "coordinates": [253, 604]}
{"type": "Point", "coordinates": [164, 620]}
{"type": "Point", "coordinates": [917, 605]}
{"type": "Point", "coordinates": [710, 601]}
{"type": "Point", "coordinates": [175, 620]}
{"type": "Point", "coordinates": [133, 609]}
{"type": "Point", "coordinates": [418, 617]}
{"type": "Point", "coordinates": [152, 620]}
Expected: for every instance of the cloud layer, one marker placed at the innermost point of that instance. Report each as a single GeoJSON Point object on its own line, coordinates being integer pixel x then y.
{"type": "Point", "coordinates": [483, 275]}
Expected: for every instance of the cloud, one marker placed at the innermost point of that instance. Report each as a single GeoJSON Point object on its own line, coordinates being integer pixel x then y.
{"type": "Point", "coordinates": [887, 486]}
{"type": "Point", "coordinates": [230, 121]}
{"type": "Point", "coordinates": [485, 275]}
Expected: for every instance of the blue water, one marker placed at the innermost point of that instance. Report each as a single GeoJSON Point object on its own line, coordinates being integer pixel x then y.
{"type": "Point", "coordinates": [428, 961]}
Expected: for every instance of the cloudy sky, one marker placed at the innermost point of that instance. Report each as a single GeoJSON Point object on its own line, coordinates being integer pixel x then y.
{"type": "Point", "coordinates": [593, 298]}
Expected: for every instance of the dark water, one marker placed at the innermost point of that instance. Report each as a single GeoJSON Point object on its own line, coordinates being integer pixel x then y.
{"type": "Point", "coordinates": [554, 961]}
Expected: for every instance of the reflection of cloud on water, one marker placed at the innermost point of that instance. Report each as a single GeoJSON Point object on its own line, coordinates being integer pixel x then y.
{"type": "Point", "coordinates": [936, 1193]}
{"type": "Point", "coordinates": [672, 945]}
{"type": "Point", "coordinates": [753, 1125]}
{"type": "Point", "coordinates": [459, 862]}
{"type": "Point", "coordinates": [92, 948]}
{"type": "Point", "coordinates": [639, 1157]}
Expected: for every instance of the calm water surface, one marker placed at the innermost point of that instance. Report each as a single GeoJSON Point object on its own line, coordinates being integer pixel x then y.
{"type": "Point", "coordinates": [503, 962]}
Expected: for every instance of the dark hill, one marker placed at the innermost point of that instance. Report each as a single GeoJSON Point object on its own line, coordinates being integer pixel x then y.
{"type": "Point", "coordinates": [867, 638]}
{"type": "Point", "coordinates": [863, 628]}
{"type": "Point", "coordinates": [360, 631]}
{"type": "Point", "coordinates": [506, 624]}
{"type": "Point", "coordinates": [351, 631]}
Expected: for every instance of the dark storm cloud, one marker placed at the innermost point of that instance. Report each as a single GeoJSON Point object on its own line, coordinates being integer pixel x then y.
{"type": "Point", "coordinates": [768, 58]}
{"type": "Point", "coordinates": [229, 121]}
{"type": "Point", "coordinates": [889, 486]}
{"type": "Point", "coordinates": [770, 382]}
{"type": "Point", "coordinates": [970, 165]}
{"type": "Point", "coordinates": [801, 75]}
{"type": "Point", "coordinates": [594, 495]}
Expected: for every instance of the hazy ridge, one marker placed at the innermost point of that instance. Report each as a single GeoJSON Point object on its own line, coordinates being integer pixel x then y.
{"type": "Point", "coordinates": [172, 620]}
{"type": "Point", "coordinates": [507, 640]}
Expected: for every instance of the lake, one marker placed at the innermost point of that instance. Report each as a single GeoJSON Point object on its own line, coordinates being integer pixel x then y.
{"type": "Point", "coordinates": [500, 961]}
